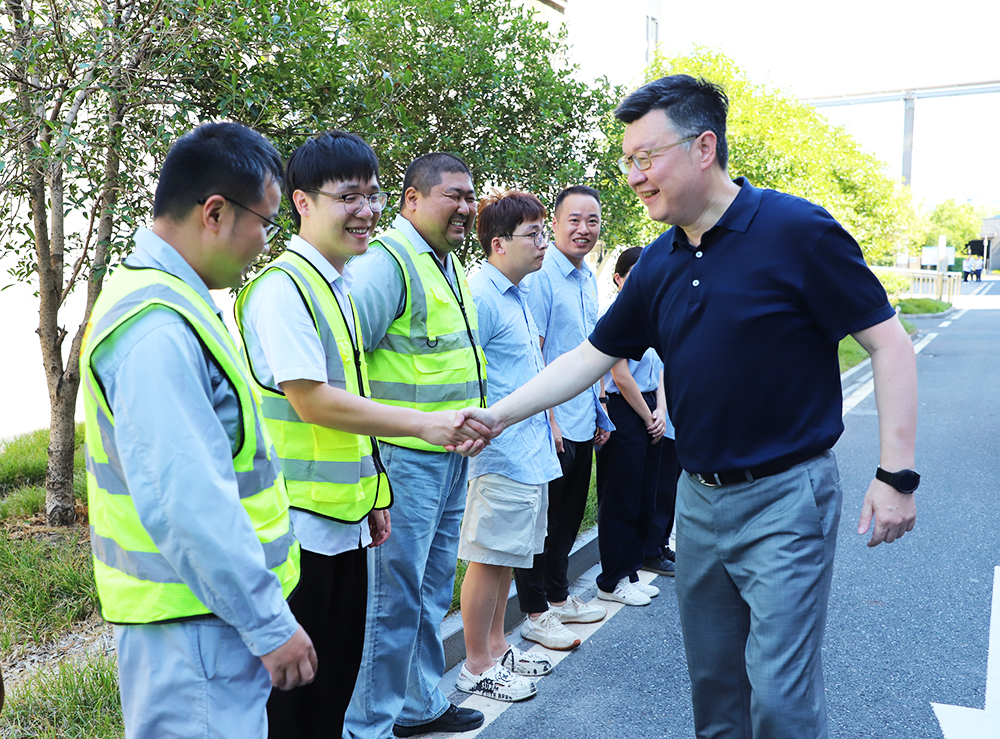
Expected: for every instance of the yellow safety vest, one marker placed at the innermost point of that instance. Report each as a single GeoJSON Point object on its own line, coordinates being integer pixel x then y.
{"type": "Point", "coordinates": [430, 358]}
{"type": "Point", "coordinates": [135, 582]}
{"type": "Point", "coordinates": [332, 473]}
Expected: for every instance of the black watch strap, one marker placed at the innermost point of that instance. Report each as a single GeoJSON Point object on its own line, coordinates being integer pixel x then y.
{"type": "Point", "coordinates": [905, 481]}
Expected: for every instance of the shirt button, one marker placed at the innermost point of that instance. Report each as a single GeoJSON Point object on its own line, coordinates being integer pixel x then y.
{"type": "Point", "coordinates": [698, 254]}
{"type": "Point", "coordinates": [696, 283]}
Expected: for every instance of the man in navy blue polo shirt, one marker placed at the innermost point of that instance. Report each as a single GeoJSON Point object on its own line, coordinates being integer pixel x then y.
{"type": "Point", "coordinates": [746, 299]}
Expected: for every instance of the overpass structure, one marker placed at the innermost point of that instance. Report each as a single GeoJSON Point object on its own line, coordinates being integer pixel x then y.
{"type": "Point", "coordinates": [909, 97]}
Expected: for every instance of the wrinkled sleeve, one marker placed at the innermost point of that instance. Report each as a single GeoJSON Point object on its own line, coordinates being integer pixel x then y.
{"type": "Point", "coordinates": [379, 293]}
{"type": "Point", "coordinates": [177, 458]}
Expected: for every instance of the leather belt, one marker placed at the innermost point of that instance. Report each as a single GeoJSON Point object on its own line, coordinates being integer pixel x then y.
{"type": "Point", "coordinates": [736, 477]}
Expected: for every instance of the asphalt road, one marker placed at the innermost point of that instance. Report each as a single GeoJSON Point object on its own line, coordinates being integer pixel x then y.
{"type": "Point", "coordinates": [909, 623]}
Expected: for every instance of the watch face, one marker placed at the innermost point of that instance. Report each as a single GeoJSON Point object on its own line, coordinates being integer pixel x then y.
{"type": "Point", "coordinates": [907, 481]}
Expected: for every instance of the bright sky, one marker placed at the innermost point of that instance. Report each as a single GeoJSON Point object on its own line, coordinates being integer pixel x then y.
{"type": "Point", "coordinates": [855, 46]}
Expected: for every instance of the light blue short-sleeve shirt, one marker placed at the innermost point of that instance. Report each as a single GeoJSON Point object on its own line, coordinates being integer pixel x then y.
{"type": "Point", "coordinates": [526, 451]}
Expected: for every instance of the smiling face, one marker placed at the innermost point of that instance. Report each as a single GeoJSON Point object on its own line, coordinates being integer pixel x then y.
{"type": "Point", "coordinates": [577, 226]}
{"type": "Point", "coordinates": [444, 216]}
{"type": "Point", "coordinates": [671, 187]}
{"type": "Point", "coordinates": [327, 224]}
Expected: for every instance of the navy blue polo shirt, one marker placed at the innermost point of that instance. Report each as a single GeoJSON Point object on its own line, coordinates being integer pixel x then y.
{"type": "Point", "coordinates": [748, 324]}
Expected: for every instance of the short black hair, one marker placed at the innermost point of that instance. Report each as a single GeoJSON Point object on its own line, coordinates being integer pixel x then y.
{"type": "Point", "coordinates": [335, 156]}
{"type": "Point", "coordinates": [576, 190]}
{"type": "Point", "coordinates": [627, 260]}
{"type": "Point", "coordinates": [225, 159]}
{"type": "Point", "coordinates": [692, 105]}
{"type": "Point", "coordinates": [501, 213]}
{"type": "Point", "coordinates": [424, 173]}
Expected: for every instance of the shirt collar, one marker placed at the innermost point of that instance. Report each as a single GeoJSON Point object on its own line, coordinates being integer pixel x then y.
{"type": "Point", "coordinates": [498, 278]}
{"type": "Point", "coordinates": [561, 261]}
{"type": "Point", "coordinates": [152, 251]}
{"type": "Point", "coordinates": [737, 217]}
{"type": "Point", "coordinates": [312, 255]}
{"type": "Point", "coordinates": [412, 235]}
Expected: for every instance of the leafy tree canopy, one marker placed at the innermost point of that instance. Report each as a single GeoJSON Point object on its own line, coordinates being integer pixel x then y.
{"type": "Point", "coordinates": [960, 223]}
{"type": "Point", "coordinates": [778, 142]}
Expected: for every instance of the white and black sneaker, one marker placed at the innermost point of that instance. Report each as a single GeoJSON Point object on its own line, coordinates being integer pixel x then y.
{"type": "Point", "coordinates": [497, 683]}
{"type": "Point", "coordinates": [532, 664]}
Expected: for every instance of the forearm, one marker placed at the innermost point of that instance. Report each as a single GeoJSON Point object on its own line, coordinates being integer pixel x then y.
{"type": "Point", "coordinates": [661, 397]}
{"type": "Point", "coordinates": [324, 405]}
{"type": "Point", "coordinates": [566, 377]}
{"type": "Point", "coordinates": [629, 389]}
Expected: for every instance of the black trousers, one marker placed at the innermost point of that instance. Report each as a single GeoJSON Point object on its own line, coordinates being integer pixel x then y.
{"type": "Point", "coordinates": [330, 603]}
{"type": "Point", "coordinates": [547, 579]}
{"type": "Point", "coordinates": [628, 469]}
{"type": "Point", "coordinates": [662, 523]}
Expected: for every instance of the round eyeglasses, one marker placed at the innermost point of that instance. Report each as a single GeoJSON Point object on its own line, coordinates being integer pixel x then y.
{"type": "Point", "coordinates": [537, 237]}
{"type": "Point", "coordinates": [643, 160]}
{"type": "Point", "coordinates": [355, 201]}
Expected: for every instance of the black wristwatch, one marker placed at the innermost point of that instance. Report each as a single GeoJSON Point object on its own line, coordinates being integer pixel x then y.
{"type": "Point", "coordinates": [603, 399]}
{"type": "Point", "coordinates": [905, 481]}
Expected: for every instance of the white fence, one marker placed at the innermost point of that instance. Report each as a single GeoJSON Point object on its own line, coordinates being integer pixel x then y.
{"type": "Point", "coordinates": [925, 283]}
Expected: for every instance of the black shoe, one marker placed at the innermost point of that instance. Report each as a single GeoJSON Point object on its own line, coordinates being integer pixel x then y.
{"type": "Point", "coordinates": [660, 565]}
{"type": "Point", "coordinates": [453, 720]}
{"type": "Point", "coordinates": [668, 553]}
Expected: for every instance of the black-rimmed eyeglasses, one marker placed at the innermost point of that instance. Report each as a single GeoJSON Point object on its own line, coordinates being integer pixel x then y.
{"type": "Point", "coordinates": [355, 201]}
{"type": "Point", "coordinates": [270, 231]}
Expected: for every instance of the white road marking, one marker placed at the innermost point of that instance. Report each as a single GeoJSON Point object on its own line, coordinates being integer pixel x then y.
{"type": "Point", "coordinates": [959, 722]}
{"type": "Point", "coordinates": [944, 324]}
{"type": "Point", "coordinates": [492, 709]}
{"type": "Point", "coordinates": [960, 314]}
{"type": "Point", "coordinates": [866, 389]}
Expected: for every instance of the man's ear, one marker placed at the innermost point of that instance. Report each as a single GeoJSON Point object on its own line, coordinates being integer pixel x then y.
{"type": "Point", "coordinates": [705, 146]}
{"type": "Point", "coordinates": [411, 197]}
{"type": "Point", "coordinates": [211, 213]}
{"type": "Point", "coordinates": [497, 245]}
{"type": "Point", "coordinates": [300, 201]}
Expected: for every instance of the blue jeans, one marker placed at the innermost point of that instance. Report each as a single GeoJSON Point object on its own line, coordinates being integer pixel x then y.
{"type": "Point", "coordinates": [754, 564]}
{"type": "Point", "coordinates": [410, 583]}
{"type": "Point", "coordinates": [194, 679]}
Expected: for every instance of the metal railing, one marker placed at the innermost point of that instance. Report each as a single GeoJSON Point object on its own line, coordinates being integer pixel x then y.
{"type": "Point", "coordinates": [924, 283]}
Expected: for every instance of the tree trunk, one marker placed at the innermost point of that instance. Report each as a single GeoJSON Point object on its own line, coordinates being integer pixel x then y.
{"type": "Point", "coordinates": [60, 503]}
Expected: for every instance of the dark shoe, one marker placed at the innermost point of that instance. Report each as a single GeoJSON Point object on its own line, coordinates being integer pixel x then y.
{"type": "Point", "coordinates": [660, 565]}
{"type": "Point", "coordinates": [453, 720]}
{"type": "Point", "coordinates": [668, 553]}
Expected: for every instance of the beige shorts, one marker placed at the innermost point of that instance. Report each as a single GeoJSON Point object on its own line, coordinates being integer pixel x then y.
{"type": "Point", "coordinates": [504, 522]}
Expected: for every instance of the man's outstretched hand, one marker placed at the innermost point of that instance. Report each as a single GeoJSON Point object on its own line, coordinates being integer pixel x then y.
{"type": "Point", "coordinates": [479, 421]}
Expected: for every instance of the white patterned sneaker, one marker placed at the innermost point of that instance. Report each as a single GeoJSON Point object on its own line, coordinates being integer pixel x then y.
{"type": "Point", "coordinates": [575, 611]}
{"type": "Point", "coordinates": [651, 590]}
{"type": "Point", "coordinates": [532, 664]}
{"type": "Point", "coordinates": [497, 683]}
{"type": "Point", "coordinates": [548, 631]}
{"type": "Point", "coordinates": [625, 593]}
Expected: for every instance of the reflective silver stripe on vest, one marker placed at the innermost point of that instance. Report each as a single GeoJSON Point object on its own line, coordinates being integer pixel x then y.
{"type": "Point", "coordinates": [462, 391]}
{"type": "Point", "coordinates": [340, 473]}
{"type": "Point", "coordinates": [170, 296]}
{"type": "Point", "coordinates": [154, 567]}
{"type": "Point", "coordinates": [104, 423]}
{"type": "Point", "coordinates": [418, 298]}
{"type": "Point", "coordinates": [406, 345]}
{"type": "Point", "coordinates": [335, 370]}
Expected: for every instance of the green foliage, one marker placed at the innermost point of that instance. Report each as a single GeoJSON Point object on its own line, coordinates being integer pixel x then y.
{"type": "Point", "coordinates": [894, 283]}
{"type": "Point", "coordinates": [73, 700]}
{"type": "Point", "coordinates": [46, 587]}
{"type": "Point", "coordinates": [778, 142]}
{"type": "Point", "coordinates": [922, 305]}
{"type": "Point", "coordinates": [850, 353]}
{"type": "Point", "coordinates": [22, 502]}
{"type": "Point", "coordinates": [23, 459]}
{"type": "Point", "coordinates": [958, 222]}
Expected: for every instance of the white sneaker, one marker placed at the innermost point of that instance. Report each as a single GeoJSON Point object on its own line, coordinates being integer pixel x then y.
{"type": "Point", "coordinates": [532, 664]}
{"type": "Point", "coordinates": [575, 611]}
{"type": "Point", "coordinates": [624, 592]}
{"type": "Point", "coordinates": [497, 683]}
{"type": "Point", "coordinates": [651, 590]}
{"type": "Point", "coordinates": [548, 631]}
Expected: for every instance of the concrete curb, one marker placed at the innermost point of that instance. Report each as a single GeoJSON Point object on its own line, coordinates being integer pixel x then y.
{"type": "Point", "coordinates": [584, 555]}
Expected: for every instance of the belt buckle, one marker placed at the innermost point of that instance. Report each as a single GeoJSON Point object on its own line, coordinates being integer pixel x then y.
{"type": "Point", "coordinates": [700, 478]}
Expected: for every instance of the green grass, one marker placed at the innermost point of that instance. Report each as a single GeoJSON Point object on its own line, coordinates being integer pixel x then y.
{"type": "Point", "coordinates": [47, 586]}
{"type": "Point", "coordinates": [24, 458]}
{"type": "Point", "coordinates": [22, 502]}
{"type": "Point", "coordinates": [851, 353]}
{"type": "Point", "coordinates": [922, 305]}
{"type": "Point", "coordinates": [71, 701]}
